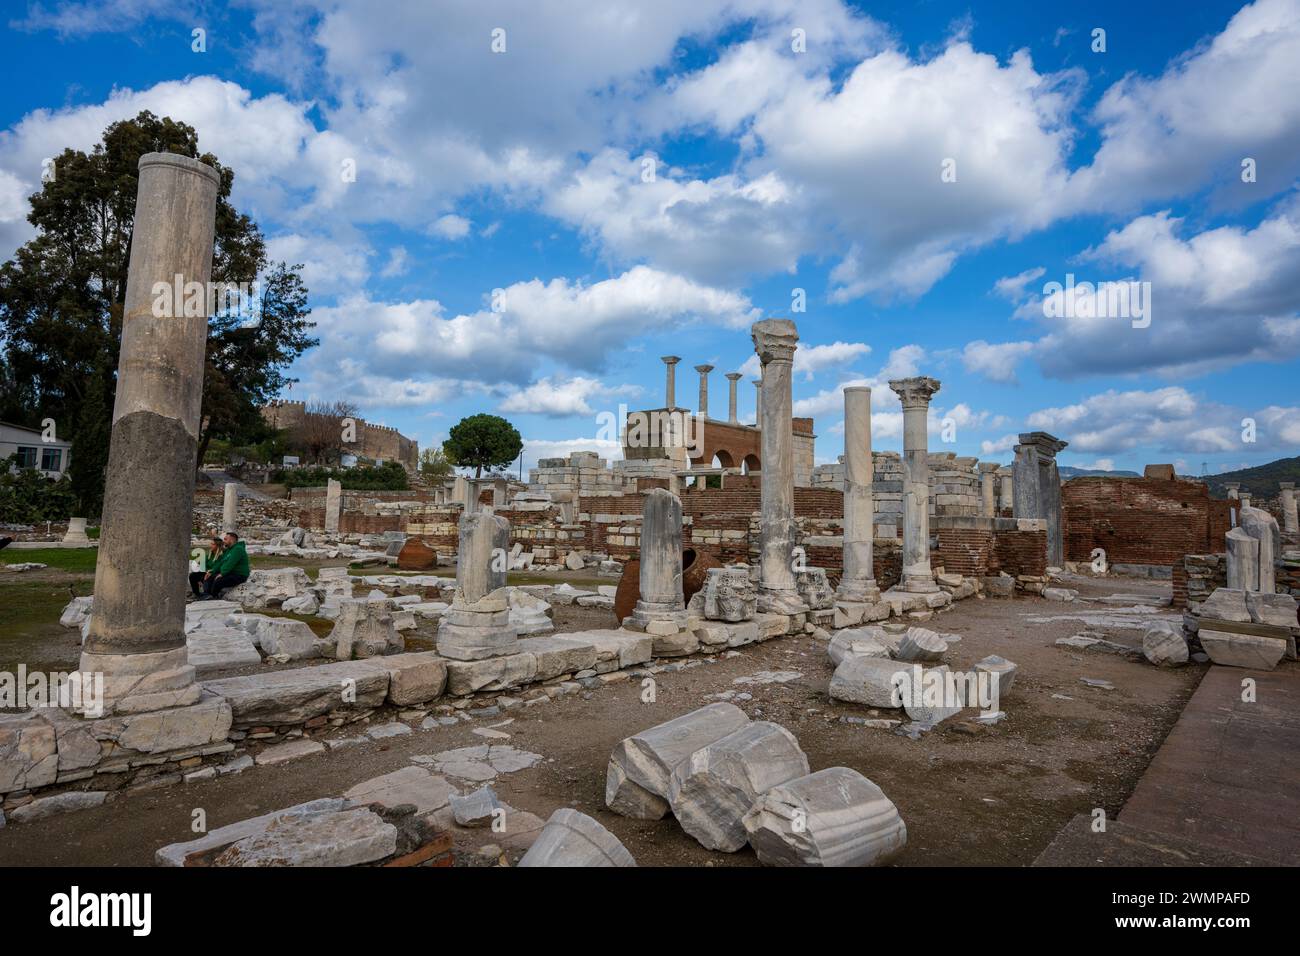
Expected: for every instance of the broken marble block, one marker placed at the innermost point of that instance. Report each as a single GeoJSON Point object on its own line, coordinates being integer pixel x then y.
{"type": "Point", "coordinates": [571, 838]}
{"type": "Point", "coordinates": [863, 641]}
{"type": "Point", "coordinates": [1163, 644]}
{"type": "Point", "coordinates": [178, 854]}
{"type": "Point", "coordinates": [364, 629]}
{"type": "Point", "coordinates": [529, 614]}
{"type": "Point", "coordinates": [933, 694]}
{"type": "Point", "coordinates": [729, 595]}
{"type": "Point", "coordinates": [641, 766]}
{"type": "Point", "coordinates": [76, 612]}
{"type": "Point", "coordinates": [305, 604]}
{"type": "Point", "coordinates": [282, 637]}
{"type": "Point", "coordinates": [814, 588]}
{"type": "Point", "coordinates": [1278, 610]}
{"type": "Point", "coordinates": [1242, 650]}
{"type": "Point", "coordinates": [216, 647]}
{"type": "Point", "coordinates": [1227, 604]}
{"type": "Point", "coordinates": [920, 644]}
{"type": "Point", "coordinates": [270, 587]}
{"type": "Point", "coordinates": [834, 817]}
{"type": "Point", "coordinates": [341, 838]}
{"type": "Point", "coordinates": [872, 681]}
{"type": "Point", "coordinates": [476, 809]}
{"type": "Point", "coordinates": [1000, 670]}
{"type": "Point", "coordinates": [712, 789]}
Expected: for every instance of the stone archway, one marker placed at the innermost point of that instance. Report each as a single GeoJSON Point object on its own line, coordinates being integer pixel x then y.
{"type": "Point", "coordinates": [722, 459]}
{"type": "Point", "coordinates": [751, 465]}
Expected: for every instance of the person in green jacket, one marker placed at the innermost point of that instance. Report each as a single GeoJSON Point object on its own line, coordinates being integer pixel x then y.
{"type": "Point", "coordinates": [208, 559]}
{"type": "Point", "coordinates": [229, 570]}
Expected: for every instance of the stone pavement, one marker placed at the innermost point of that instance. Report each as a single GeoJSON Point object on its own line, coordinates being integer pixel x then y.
{"type": "Point", "coordinates": [1224, 789]}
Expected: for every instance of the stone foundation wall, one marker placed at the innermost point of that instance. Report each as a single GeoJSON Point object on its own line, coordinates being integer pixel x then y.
{"type": "Point", "coordinates": [1195, 577]}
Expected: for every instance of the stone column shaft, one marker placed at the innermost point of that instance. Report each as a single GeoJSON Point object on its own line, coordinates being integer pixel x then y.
{"type": "Point", "coordinates": [704, 371]}
{"type": "Point", "coordinates": [1290, 522]}
{"type": "Point", "coordinates": [775, 341]}
{"type": "Point", "coordinates": [758, 403]}
{"type": "Point", "coordinates": [732, 379]}
{"type": "Point", "coordinates": [230, 508]}
{"type": "Point", "coordinates": [661, 608]}
{"type": "Point", "coordinates": [137, 631]}
{"type": "Point", "coordinates": [915, 394]}
{"type": "Point", "coordinates": [858, 583]}
{"type": "Point", "coordinates": [333, 505]}
{"type": "Point", "coordinates": [988, 488]}
{"type": "Point", "coordinates": [1006, 495]}
{"type": "Point", "coordinates": [670, 381]}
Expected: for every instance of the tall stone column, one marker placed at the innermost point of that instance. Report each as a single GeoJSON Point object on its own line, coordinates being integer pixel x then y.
{"type": "Point", "coordinates": [915, 394]}
{"type": "Point", "coordinates": [1290, 524]}
{"type": "Point", "coordinates": [1006, 494]}
{"type": "Point", "coordinates": [333, 505]}
{"type": "Point", "coordinates": [1232, 487]}
{"type": "Point", "coordinates": [661, 608]}
{"type": "Point", "coordinates": [758, 403]}
{"type": "Point", "coordinates": [1038, 487]}
{"type": "Point", "coordinates": [732, 379]}
{"type": "Point", "coordinates": [988, 488]}
{"type": "Point", "coordinates": [858, 583]}
{"type": "Point", "coordinates": [230, 508]}
{"type": "Point", "coordinates": [775, 341]}
{"type": "Point", "coordinates": [704, 371]}
{"type": "Point", "coordinates": [670, 381]}
{"type": "Point", "coordinates": [137, 629]}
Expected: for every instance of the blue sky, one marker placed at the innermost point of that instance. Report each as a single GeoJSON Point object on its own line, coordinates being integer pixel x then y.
{"type": "Point", "coordinates": [625, 181]}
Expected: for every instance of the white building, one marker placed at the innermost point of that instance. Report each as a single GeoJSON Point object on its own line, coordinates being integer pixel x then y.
{"type": "Point", "coordinates": [33, 451]}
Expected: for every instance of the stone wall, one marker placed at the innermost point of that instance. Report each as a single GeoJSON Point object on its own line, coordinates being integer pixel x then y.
{"type": "Point", "coordinates": [1140, 520]}
{"type": "Point", "coordinates": [1195, 576]}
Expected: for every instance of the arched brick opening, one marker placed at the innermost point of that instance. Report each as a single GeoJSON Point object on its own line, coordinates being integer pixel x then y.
{"type": "Point", "coordinates": [751, 464]}
{"type": "Point", "coordinates": [722, 459]}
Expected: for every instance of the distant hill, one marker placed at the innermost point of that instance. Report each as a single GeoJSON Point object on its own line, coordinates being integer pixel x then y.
{"type": "Point", "coordinates": [1069, 472]}
{"type": "Point", "coordinates": [1260, 481]}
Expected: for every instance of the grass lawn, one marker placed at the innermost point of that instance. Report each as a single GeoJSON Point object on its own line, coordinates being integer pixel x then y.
{"type": "Point", "coordinates": [76, 560]}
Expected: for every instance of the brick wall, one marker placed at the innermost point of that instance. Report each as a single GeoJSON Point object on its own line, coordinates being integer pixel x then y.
{"type": "Point", "coordinates": [965, 551]}
{"type": "Point", "coordinates": [1140, 520]}
{"type": "Point", "coordinates": [1020, 552]}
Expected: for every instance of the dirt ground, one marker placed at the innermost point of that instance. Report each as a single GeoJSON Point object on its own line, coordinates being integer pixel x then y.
{"type": "Point", "coordinates": [969, 794]}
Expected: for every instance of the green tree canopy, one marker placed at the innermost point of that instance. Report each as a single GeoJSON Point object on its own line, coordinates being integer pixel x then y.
{"type": "Point", "coordinates": [434, 464]}
{"type": "Point", "coordinates": [482, 441]}
{"type": "Point", "coordinates": [62, 294]}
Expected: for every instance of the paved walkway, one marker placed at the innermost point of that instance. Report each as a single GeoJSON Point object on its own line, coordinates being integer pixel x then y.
{"type": "Point", "coordinates": [1224, 788]}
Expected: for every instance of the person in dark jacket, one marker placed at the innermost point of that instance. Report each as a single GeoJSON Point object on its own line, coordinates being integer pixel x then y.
{"type": "Point", "coordinates": [230, 570]}
{"type": "Point", "coordinates": [197, 578]}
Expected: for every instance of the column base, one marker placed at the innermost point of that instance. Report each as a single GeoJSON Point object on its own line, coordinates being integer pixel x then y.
{"type": "Point", "coordinates": [858, 592]}
{"type": "Point", "coordinates": [784, 601]}
{"type": "Point", "coordinates": [471, 642]}
{"type": "Point", "coordinates": [918, 583]}
{"type": "Point", "coordinates": [661, 620]}
{"type": "Point", "coordinates": [137, 683]}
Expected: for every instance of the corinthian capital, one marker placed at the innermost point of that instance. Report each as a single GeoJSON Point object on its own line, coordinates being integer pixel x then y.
{"type": "Point", "coordinates": [774, 340]}
{"type": "Point", "coordinates": [915, 392]}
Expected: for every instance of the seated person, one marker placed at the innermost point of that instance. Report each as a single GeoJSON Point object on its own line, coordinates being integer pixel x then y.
{"type": "Point", "coordinates": [209, 559]}
{"type": "Point", "coordinates": [231, 568]}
